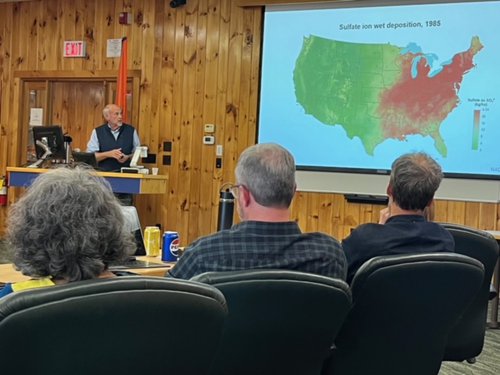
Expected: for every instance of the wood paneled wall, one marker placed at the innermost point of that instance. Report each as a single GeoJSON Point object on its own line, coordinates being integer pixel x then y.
{"type": "Point", "coordinates": [331, 213]}
{"type": "Point", "coordinates": [199, 64]}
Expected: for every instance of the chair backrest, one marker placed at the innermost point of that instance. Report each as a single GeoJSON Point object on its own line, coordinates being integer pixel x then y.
{"type": "Point", "coordinates": [127, 325]}
{"type": "Point", "coordinates": [466, 340]}
{"type": "Point", "coordinates": [279, 322]}
{"type": "Point", "coordinates": [403, 309]}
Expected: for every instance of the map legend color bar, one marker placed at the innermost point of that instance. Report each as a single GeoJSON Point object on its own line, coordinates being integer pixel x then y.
{"type": "Point", "coordinates": [475, 130]}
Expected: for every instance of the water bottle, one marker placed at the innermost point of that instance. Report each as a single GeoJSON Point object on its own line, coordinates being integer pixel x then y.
{"type": "Point", "coordinates": [226, 209]}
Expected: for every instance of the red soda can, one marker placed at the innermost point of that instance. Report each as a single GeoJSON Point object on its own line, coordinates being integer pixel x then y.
{"type": "Point", "coordinates": [170, 246]}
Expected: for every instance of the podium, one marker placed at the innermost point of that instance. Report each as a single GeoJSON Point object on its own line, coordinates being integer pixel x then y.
{"type": "Point", "coordinates": [131, 183]}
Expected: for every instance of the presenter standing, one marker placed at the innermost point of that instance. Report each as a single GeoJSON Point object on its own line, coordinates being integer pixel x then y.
{"type": "Point", "coordinates": [114, 142]}
{"type": "Point", "coordinates": [113, 145]}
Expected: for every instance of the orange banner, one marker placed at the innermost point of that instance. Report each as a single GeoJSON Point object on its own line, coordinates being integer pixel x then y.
{"type": "Point", "coordinates": [121, 83]}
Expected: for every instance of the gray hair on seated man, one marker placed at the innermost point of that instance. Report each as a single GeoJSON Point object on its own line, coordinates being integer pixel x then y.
{"type": "Point", "coordinates": [67, 225]}
{"type": "Point", "coordinates": [267, 170]}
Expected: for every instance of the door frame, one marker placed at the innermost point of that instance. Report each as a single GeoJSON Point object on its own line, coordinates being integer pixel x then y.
{"type": "Point", "coordinates": [20, 130]}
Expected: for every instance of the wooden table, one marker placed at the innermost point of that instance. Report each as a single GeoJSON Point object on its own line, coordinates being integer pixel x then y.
{"type": "Point", "coordinates": [131, 183]}
{"type": "Point", "coordinates": [496, 284]}
{"type": "Point", "coordinates": [9, 274]}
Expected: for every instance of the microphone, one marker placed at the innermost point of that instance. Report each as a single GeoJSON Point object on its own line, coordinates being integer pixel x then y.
{"type": "Point", "coordinates": [67, 147]}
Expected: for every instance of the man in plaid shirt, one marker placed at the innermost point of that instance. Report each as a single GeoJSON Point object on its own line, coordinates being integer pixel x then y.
{"type": "Point", "coordinates": [265, 238]}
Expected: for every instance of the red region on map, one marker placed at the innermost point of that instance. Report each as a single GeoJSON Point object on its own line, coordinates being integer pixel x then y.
{"type": "Point", "coordinates": [418, 105]}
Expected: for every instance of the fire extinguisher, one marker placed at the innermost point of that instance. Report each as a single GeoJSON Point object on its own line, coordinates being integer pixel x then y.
{"type": "Point", "coordinates": [3, 191]}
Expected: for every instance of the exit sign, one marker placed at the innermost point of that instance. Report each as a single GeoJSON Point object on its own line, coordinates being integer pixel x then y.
{"type": "Point", "coordinates": [74, 48]}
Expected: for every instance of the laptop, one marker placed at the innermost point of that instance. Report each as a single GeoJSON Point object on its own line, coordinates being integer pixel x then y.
{"type": "Point", "coordinates": [133, 225]}
{"type": "Point", "coordinates": [131, 261]}
{"type": "Point", "coordinates": [85, 158]}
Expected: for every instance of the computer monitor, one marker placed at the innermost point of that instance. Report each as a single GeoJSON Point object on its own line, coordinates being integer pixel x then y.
{"type": "Point", "coordinates": [52, 137]}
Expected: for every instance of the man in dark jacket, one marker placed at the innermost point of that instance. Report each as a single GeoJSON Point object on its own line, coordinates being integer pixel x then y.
{"type": "Point", "coordinates": [403, 227]}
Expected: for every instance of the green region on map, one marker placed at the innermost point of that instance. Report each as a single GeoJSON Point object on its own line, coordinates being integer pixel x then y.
{"type": "Point", "coordinates": [378, 91]}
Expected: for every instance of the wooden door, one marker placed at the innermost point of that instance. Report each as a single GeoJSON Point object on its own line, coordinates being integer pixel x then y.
{"type": "Point", "coordinates": [77, 107]}
{"type": "Point", "coordinates": [35, 97]}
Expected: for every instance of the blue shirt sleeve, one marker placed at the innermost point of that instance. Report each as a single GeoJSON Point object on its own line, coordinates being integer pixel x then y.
{"type": "Point", "coordinates": [137, 141]}
{"type": "Point", "coordinates": [93, 145]}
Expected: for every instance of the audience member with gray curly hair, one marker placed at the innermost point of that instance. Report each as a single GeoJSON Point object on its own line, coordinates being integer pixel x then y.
{"type": "Point", "coordinates": [68, 226]}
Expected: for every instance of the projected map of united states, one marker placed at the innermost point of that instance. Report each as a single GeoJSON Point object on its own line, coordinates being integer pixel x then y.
{"type": "Point", "coordinates": [379, 91]}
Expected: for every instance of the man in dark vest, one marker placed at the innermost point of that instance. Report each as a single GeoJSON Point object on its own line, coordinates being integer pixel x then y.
{"type": "Point", "coordinates": [113, 143]}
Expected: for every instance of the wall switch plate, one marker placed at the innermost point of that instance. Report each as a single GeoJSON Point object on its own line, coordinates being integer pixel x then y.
{"type": "Point", "coordinates": [218, 150]}
{"type": "Point", "coordinates": [209, 128]}
{"type": "Point", "coordinates": [167, 146]}
{"type": "Point", "coordinates": [218, 163]}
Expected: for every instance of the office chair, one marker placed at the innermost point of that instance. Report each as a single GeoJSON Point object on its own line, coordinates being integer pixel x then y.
{"type": "Point", "coordinates": [279, 322]}
{"type": "Point", "coordinates": [126, 325]}
{"type": "Point", "coordinates": [466, 340]}
{"type": "Point", "coordinates": [403, 309]}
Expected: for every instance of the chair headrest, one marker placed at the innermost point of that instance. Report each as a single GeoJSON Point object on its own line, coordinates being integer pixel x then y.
{"type": "Point", "coordinates": [457, 228]}
{"type": "Point", "coordinates": [217, 278]}
{"type": "Point", "coordinates": [22, 300]}
{"type": "Point", "coordinates": [391, 261]}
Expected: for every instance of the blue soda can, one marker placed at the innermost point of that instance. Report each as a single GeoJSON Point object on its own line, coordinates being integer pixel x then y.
{"type": "Point", "coordinates": [170, 246]}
